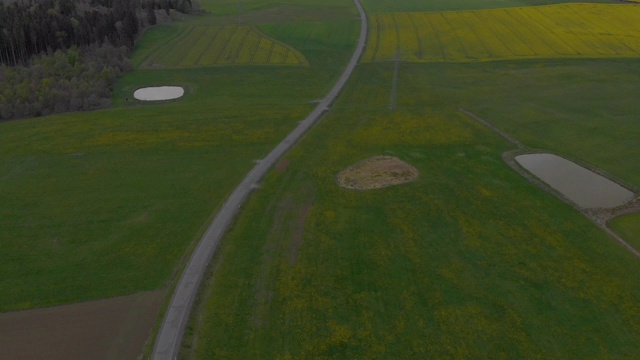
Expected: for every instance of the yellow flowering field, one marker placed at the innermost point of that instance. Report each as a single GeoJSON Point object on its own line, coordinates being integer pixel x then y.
{"type": "Point", "coordinates": [223, 45]}
{"type": "Point", "coordinates": [564, 30]}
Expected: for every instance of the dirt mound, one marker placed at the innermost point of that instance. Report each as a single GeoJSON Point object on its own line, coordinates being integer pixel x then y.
{"type": "Point", "coordinates": [377, 172]}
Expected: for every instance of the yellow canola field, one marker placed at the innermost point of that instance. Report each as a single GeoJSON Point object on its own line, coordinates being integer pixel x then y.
{"type": "Point", "coordinates": [223, 45]}
{"type": "Point", "coordinates": [552, 31]}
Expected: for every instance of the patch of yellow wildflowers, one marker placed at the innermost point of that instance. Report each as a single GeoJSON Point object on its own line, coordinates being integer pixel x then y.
{"type": "Point", "coordinates": [553, 31]}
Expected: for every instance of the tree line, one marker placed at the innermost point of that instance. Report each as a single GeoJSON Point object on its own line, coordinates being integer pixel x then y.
{"type": "Point", "coordinates": [67, 55]}
{"type": "Point", "coordinates": [67, 80]}
{"type": "Point", "coordinates": [32, 27]}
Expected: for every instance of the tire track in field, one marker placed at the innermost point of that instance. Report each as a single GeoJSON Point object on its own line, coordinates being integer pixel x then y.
{"type": "Point", "coordinates": [213, 40]}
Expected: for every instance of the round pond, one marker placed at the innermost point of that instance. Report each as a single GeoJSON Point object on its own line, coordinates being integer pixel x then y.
{"type": "Point", "coordinates": [158, 93]}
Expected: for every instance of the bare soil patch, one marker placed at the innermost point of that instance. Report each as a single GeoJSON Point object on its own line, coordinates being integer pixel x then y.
{"type": "Point", "coordinates": [377, 172]}
{"type": "Point", "coordinates": [105, 329]}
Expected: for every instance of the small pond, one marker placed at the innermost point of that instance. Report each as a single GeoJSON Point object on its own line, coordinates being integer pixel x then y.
{"type": "Point", "coordinates": [582, 186]}
{"type": "Point", "coordinates": [158, 93]}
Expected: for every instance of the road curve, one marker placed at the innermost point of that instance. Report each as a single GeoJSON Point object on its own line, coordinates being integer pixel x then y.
{"type": "Point", "coordinates": [169, 338]}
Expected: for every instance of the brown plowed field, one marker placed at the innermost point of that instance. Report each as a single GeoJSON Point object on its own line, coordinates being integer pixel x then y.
{"type": "Point", "coordinates": [106, 329]}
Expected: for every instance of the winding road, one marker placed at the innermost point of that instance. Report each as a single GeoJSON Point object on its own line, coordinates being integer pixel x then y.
{"type": "Point", "coordinates": [169, 338]}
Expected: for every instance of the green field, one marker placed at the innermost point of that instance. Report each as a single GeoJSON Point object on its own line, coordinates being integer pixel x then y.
{"type": "Point", "coordinates": [628, 227]}
{"type": "Point", "coordinates": [108, 203]}
{"type": "Point", "coordinates": [233, 7]}
{"type": "Point", "coordinates": [387, 6]}
{"type": "Point", "coordinates": [469, 261]}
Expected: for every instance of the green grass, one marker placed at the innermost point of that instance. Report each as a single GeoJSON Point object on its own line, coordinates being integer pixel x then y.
{"type": "Point", "coordinates": [107, 203]}
{"type": "Point", "coordinates": [232, 7]}
{"type": "Point", "coordinates": [628, 227]}
{"type": "Point", "coordinates": [469, 261]}
{"type": "Point", "coordinates": [580, 109]}
{"type": "Point", "coordinates": [386, 6]}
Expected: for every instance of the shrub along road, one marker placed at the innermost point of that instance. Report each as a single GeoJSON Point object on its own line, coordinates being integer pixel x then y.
{"type": "Point", "coordinates": [172, 330]}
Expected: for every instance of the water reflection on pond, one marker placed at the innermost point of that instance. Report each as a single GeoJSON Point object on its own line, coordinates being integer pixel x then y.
{"type": "Point", "coordinates": [158, 93]}
{"type": "Point", "coordinates": [582, 186]}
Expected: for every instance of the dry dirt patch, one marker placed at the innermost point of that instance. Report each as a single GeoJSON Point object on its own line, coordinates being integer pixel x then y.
{"type": "Point", "coordinates": [106, 329]}
{"type": "Point", "coordinates": [377, 172]}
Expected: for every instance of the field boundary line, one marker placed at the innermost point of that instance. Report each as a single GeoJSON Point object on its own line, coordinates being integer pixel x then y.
{"type": "Point", "coordinates": [495, 129]}
{"type": "Point", "coordinates": [169, 339]}
{"type": "Point", "coordinates": [285, 45]}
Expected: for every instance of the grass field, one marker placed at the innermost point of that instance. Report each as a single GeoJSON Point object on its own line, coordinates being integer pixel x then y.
{"type": "Point", "coordinates": [215, 45]}
{"type": "Point", "coordinates": [628, 227]}
{"type": "Point", "coordinates": [567, 30]}
{"type": "Point", "coordinates": [387, 6]}
{"type": "Point", "coordinates": [233, 7]}
{"type": "Point", "coordinates": [468, 261]}
{"type": "Point", "coordinates": [107, 203]}
{"type": "Point", "coordinates": [579, 109]}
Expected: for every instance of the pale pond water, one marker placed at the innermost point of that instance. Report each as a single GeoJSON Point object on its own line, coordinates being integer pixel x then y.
{"type": "Point", "coordinates": [582, 186]}
{"type": "Point", "coordinates": [158, 93]}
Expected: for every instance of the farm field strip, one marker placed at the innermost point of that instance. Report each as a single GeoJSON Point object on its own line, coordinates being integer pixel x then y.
{"type": "Point", "coordinates": [553, 31]}
{"type": "Point", "coordinates": [223, 45]}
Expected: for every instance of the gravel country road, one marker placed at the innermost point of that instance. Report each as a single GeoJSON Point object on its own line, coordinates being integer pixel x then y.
{"type": "Point", "coordinates": [169, 338]}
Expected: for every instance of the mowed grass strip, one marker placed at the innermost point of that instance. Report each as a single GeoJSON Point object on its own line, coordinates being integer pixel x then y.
{"type": "Point", "coordinates": [553, 31]}
{"type": "Point", "coordinates": [212, 45]}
